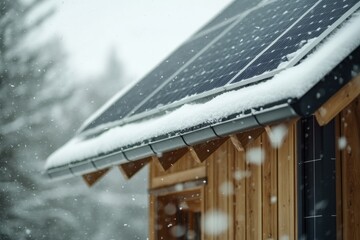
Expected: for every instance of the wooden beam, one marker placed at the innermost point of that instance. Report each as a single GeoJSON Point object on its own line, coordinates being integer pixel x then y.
{"type": "Point", "coordinates": [338, 101]}
{"type": "Point", "coordinates": [131, 168]}
{"type": "Point", "coordinates": [179, 177]}
{"type": "Point", "coordinates": [236, 142]}
{"type": "Point", "coordinates": [166, 160]}
{"type": "Point", "coordinates": [194, 155]}
{"type": "Point", "coordinates": [92, 178]}
{"type": "Point", "coordinates": [202, 151]}
{"type": "Point", "coordinates": [268, 130]}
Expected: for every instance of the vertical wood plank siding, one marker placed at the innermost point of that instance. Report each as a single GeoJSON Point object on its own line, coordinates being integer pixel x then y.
{"type": "Point", "coordinates": [348, 173]}
{"type": "Point", "coordinates": [262, 205]}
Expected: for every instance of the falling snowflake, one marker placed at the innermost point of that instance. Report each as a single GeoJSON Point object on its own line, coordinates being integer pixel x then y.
{"type": "Point", "coordinates": [255, 156]}
{"type": "Point", "coordinates": [215, 222]}
{"type": "Point", "coordinates": [239, 175]}
{"type": "Point", "coordinates": [277, 135]}
{"type": "Point", "coordinates": [226, 188]}
{"type": "Point", "coordinates": [342, 143]}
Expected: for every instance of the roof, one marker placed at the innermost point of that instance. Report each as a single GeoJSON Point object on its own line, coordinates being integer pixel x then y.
{"type": "Point", "coordinates": [304, 80]}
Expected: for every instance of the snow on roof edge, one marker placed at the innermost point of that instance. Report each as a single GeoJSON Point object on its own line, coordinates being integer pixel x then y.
{"type": "Point", "coordinates": [344, 40]}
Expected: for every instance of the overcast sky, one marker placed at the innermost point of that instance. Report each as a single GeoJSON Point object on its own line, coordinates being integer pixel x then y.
{"type": "Point", "coordinates": [142, 32]}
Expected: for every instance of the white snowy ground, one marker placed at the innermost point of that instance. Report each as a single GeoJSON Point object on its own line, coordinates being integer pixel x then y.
{"type": "Point", "coordinates": [290, 83]}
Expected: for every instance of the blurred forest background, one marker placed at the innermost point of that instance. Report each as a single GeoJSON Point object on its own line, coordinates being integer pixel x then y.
{"type": "Point", "coordinates": [42, 105]}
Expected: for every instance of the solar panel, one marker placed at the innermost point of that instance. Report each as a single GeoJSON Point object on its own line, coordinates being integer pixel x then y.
{"type": "Point", "coordinates": [310, 27]}
{"type": "Point", "coordinates": [228, 52]}
{"type": "Point", "coordinates": [231, 53]}
{"type": "Point", "coordinates": [120, 108]}
{"type": "Point", "coordinates": [230, 13]}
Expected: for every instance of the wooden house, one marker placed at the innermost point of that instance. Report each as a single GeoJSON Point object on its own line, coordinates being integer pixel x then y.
{"type": "Point", "coordinates": [251, 129]}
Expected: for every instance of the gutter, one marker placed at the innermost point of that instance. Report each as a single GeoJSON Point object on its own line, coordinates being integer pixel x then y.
{"type": "Point", "coordinates": [164, 143]}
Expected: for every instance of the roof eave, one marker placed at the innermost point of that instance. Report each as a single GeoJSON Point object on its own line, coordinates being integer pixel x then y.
{"type": "Point", "coordinates": [254, 119]}
{"type": "Point", "coordinates": [304, 106]}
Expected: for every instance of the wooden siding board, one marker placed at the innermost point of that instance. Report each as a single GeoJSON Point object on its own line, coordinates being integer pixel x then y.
{"type": "Point", "coordinates": [209, 190]}
{"type": "Point", "coordinates": [231, 198]}
{"type": "Point", "coordinates": [350, 127]}
{"type": "Point", "coordinates": [286, 186]}
{"type": "Point", "coordinates": [178, 177]}
{"type": "Point", "coordinates": [251, 213]}
{"type": "Point", "coordinates": [254, 197]}
{"type": "Point", "coordinates": [240, 196]}
{"type": "Point", "coordinates": [269, 179]}
{"type": "Point", "coordinates": [222, 195]}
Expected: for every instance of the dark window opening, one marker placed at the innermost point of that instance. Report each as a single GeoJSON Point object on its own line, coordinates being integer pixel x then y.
{"type": "Point", "coordinates": [179, 216]}
{"type": "Point", "coordinates": [316, 180]}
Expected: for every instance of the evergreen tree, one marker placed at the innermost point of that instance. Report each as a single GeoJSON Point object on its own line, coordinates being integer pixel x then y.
{"type": "Point", "coordinates": [41, 108]}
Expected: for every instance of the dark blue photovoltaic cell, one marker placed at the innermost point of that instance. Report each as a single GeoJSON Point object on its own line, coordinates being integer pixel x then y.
{"type": "Point", "coordinates": [224, 59]}
{"type": "Point", "coordinates": [153, 80]}
{"type": "Point", "coordinates": [310, 27]}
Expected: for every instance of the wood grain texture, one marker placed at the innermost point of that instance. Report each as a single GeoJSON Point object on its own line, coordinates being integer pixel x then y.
{"type": "Point", "coordinates": [269, 190]}
{"type": "Point", "coordinates": [286, 186]}
{"type": "Point", "coordinates": [168, 159]}
{"type": "Point", "coordinates": [254, 197]}
{"type": "Point", "coordinates": [249, 136]}
{"type": "Point", "coordinates": [204, 150]}
{"type": "Point", "coordinates": [251, 212]}
{"type": "Point", "coordinates": [240, 195]}
{"type": "Point", "coordinates": [92, 178]}
{"type": "Point", "coordinates": [178, 177]}
{"type": "Point", "coordinates": [338, 101]}
{"type": "Point", "coordinates": [350, 158]}
{"type": "Point", "coordinates": [131, 168]}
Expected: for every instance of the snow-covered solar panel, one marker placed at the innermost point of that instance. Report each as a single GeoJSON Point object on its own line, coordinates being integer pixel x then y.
{"type": "Point", "coordinates": [310, 27]}
{"type": "Point", "coordinates": [230, 13]}
{"type": "Point", "coordinates": [231, 53]}
{"type": "Point", "coordinates": [223, 56]}
{"type": "Point", "coordinates": [123, 106]}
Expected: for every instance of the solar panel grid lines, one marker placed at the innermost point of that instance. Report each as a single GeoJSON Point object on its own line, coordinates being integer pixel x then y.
{"type": "Point", "coordinates": [313, 26]}
{"type": "Point", "coordinates": [238, 47]}
{"type": "Point", "coordinates": [274, 42]}
{"type": "Point", "coordinates": [333, 13]}
{"type": "Point", "coordinates": [230, 13]}
{"type": "Point", "coordinates": [194, 58]}
{"type": "Point", "coordinates": [121, 107]}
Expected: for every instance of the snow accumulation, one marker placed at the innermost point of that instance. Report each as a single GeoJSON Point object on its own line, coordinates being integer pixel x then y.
{"type": "Point", "coordinates": [293, 82]}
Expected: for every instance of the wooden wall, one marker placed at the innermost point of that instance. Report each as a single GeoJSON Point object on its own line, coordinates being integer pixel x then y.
{"type": "Point", "coordinates": [348, 173]}
{"type": "Point", "coordinates": [262, 205]}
